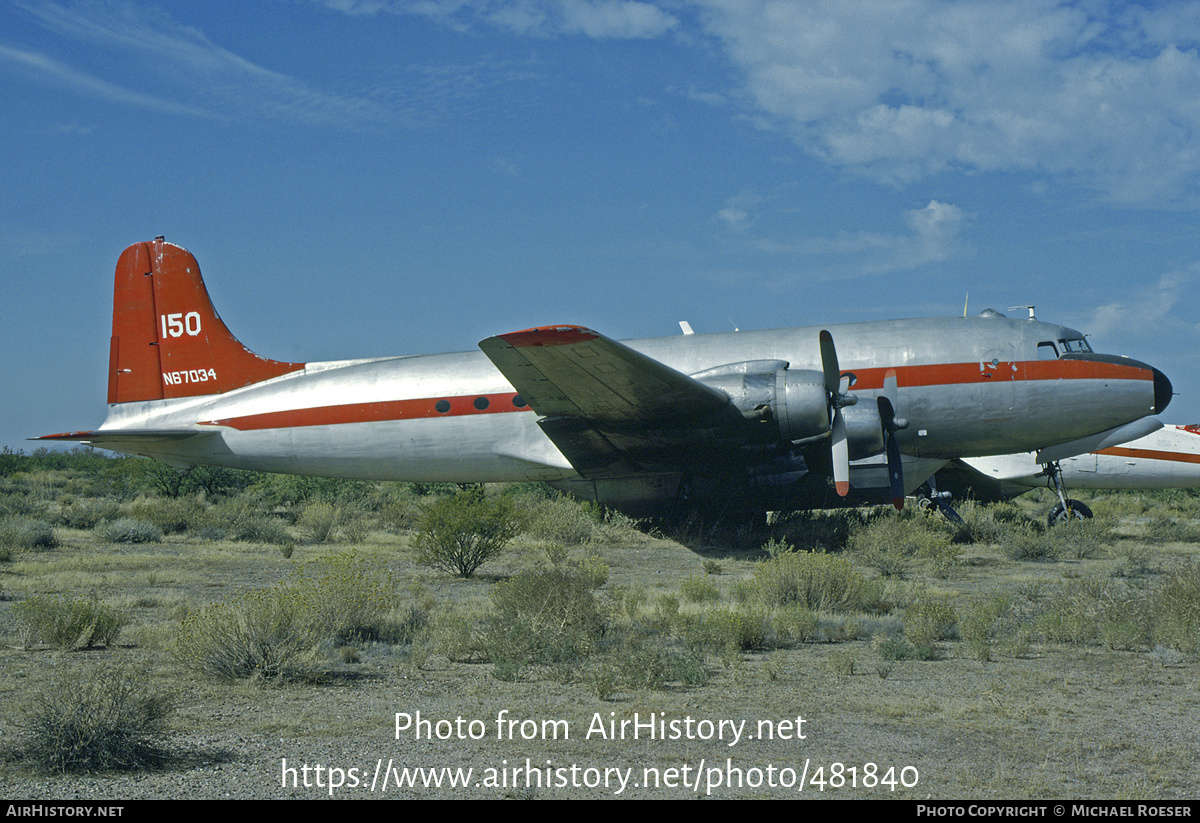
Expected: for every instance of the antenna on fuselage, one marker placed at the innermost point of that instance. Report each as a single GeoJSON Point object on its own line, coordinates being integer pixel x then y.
{"type": "Point", "coordinates": [966, 297]}
{"type": "Point", "coordinates": [1014, 308]}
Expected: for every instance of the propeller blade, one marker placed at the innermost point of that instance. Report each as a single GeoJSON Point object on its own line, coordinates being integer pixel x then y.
{"type": "Point", "coordinates": [829, 365]}
{"type": "Point", "coordinates": [949, 513]}
{"type": "Point", "coordinates": [889, 388]}
{"type": "Point", "coordinates": [838, 445]}
{"type": "Point", "coordinates": [841, 454]}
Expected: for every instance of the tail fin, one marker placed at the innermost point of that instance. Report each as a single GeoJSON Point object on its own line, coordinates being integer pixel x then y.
{"type": "Point", "coordinates": [167, 339]}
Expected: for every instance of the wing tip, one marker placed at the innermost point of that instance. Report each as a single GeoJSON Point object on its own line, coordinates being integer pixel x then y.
{"type": "Point", "coordinates": [66, 436]}
{"type": "Point", "coordinates": [549, 336]}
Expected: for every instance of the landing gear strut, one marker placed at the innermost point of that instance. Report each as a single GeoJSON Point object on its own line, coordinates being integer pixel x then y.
{"type": "Point", "coordinates": [1066, 508]}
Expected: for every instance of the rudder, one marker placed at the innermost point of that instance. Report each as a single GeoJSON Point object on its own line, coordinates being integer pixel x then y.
{"type": "Point", "coordinates": [167, 339]}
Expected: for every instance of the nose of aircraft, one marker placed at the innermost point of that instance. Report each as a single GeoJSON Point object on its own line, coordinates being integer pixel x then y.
{"type": "Point", "coordinates": [1162, 391]}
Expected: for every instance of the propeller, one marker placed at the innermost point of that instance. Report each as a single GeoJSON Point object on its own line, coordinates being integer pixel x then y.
{"type": "Point", "coordinates": [891, 424]}
{"type": "Point", "coordinates": [838, 445]}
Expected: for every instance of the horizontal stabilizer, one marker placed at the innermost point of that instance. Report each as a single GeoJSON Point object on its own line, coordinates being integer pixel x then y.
{"type": "Point", "coordinates": [126, 441]}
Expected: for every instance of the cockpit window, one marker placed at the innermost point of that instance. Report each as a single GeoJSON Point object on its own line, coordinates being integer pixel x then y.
{"type": "Point", "coordinates": [1047, 351]}
{"type": "Point", "coordinates": [1075, 344]}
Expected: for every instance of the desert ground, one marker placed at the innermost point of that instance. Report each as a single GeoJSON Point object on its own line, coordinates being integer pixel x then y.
{"type": "Point", "coordinates": [1055, 672]}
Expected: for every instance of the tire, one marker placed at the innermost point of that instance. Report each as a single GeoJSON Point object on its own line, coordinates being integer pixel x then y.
{"type": "Point", "coordinates": [1078, 512]}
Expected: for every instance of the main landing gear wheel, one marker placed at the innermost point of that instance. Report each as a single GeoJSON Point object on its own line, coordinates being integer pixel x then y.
{"type": "Point", "coordinates": [1074, 510]}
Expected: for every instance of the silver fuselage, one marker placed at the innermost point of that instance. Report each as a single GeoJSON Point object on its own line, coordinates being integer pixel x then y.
{"type": "Point", "coordinates": [967, 386]}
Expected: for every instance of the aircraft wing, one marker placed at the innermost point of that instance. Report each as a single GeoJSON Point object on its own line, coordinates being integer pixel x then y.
{"type": "Point", "coordinates": [609, 409]}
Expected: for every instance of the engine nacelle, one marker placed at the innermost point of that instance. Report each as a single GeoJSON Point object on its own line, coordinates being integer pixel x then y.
{"type": "Point", "coordinates": [794, 399]}
{"type": "Point", "coordinates": [864, 430]}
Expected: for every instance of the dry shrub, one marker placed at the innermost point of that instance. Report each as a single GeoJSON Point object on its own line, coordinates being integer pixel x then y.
{"type": "Point", "coordinates": [129, 530]}
{"type": "Point", "coordinates": [560, 520]}
{"type": "Point", "coordinates": [1176, 606]}
{"type": "Point", "coordinates": [106, 721]}
{"type": "Point", "coordinates": [318, 522]}
{"type": "Point", "coordinates": [68, 622]}
{"type": "Point", "coordinates": [927, 620]}
{"type": "Point", "coordinates": [25, 534]}
{"type": "Point", "coordinates": [549, 616]}
{"type": "Point", "coordinates": [822, 582]}
{"type": "Point", "coordinates": [280, 633]}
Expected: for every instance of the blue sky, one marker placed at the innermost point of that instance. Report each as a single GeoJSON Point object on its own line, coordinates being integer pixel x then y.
{"type": "Point", "coordinates": [408, 176]}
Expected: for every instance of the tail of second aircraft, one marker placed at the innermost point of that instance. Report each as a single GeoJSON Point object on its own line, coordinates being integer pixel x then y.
{"type": "Point", "coordinates": [167, 339]}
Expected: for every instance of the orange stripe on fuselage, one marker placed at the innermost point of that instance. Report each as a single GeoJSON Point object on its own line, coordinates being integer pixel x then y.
{"type": "Point", "coordinates": [949, 374]}
{"type": "Point", "coordinates": [941, 374]}
{"type": "Point", "coordinates": [1151, 454]}
{"type": "Point", "coordinates": [381, 411]}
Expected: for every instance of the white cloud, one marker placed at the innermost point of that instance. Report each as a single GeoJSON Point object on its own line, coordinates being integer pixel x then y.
{"type": "Point", "coordinates": [600, 19]}
{"type": "Point", "coordinates": [192, 74]}
{"type": "Point", "coordinates": [1149, 310]}
{"type": "Point", "coordinates": [736, 215]}
{"type": "Point", "coordinates": [934, 235]}
{"type": "Point", "coordinates": [935, 230]}
{"type": "Point", "coordinates": [84, 83]}
{"type": "Point", "coordinates": [900, 90]}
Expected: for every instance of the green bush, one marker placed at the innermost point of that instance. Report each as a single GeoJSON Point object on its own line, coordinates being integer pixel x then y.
{"type": "Point", "coordinates": [107, 721]}
{"type": "Point", "coordinates": [1176, 606]}
{"type": "Point", "coordinates": [279, 633]}
{"type": "Point", "coordinates": [796, 622]}
{"type": "Point", "coordinates": [978, 626]}
{"type": "Point", "coordinates": [926, 621]}
{"type": "Point", "coordinates": [263, 635]}
{"type": "Point", "coordinates": [1163, 529]}
{"type": "Point", "coordinates": [546, 617]}
{"type": "Point", "coordinates": [87, 514]}
{"type": "Point", "coordinates": [170, 515]}
{"type": "Point", "coordinates": [243, 520]}
{"type": "Point", "coordinates": [23, 533]}
{"type": "Point", "coordinates": [886, 542]}
{"type": "Point", "coordinates": [1096, 609]}
{"type": "Point", "coordinates": [560, 520]}
{"type": "Point", "coordinates": [699, 589]}
{"type": "Point", "coordinates": [822, 582]}
{"type": "Point", "coordinates": [651, 666]}
{"type": "Point", "coordinates": [401, 512]}
{"type": "Point", "coordinates": [318, 522]}
{"type": "Point", "coordinates": [909, 533]}
{"type": "Point", "coordinates": [1030, 544]}
{"type": "Point", "coordinates": [744, 630]}
{"type": "Point", "coordinates": [68, 622]}
{"type": "Point", "coordinates": [129, 530]}
{"type": "Point", "coordinates": [458, 534]}
{"type": "Point", "coordinates": [818, 530]}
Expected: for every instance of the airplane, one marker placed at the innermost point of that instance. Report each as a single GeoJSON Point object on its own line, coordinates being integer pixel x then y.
{"type": "Point", "coordinates": [1168, 458]}
{"type": "Point", "coordinates": [736, 423]}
